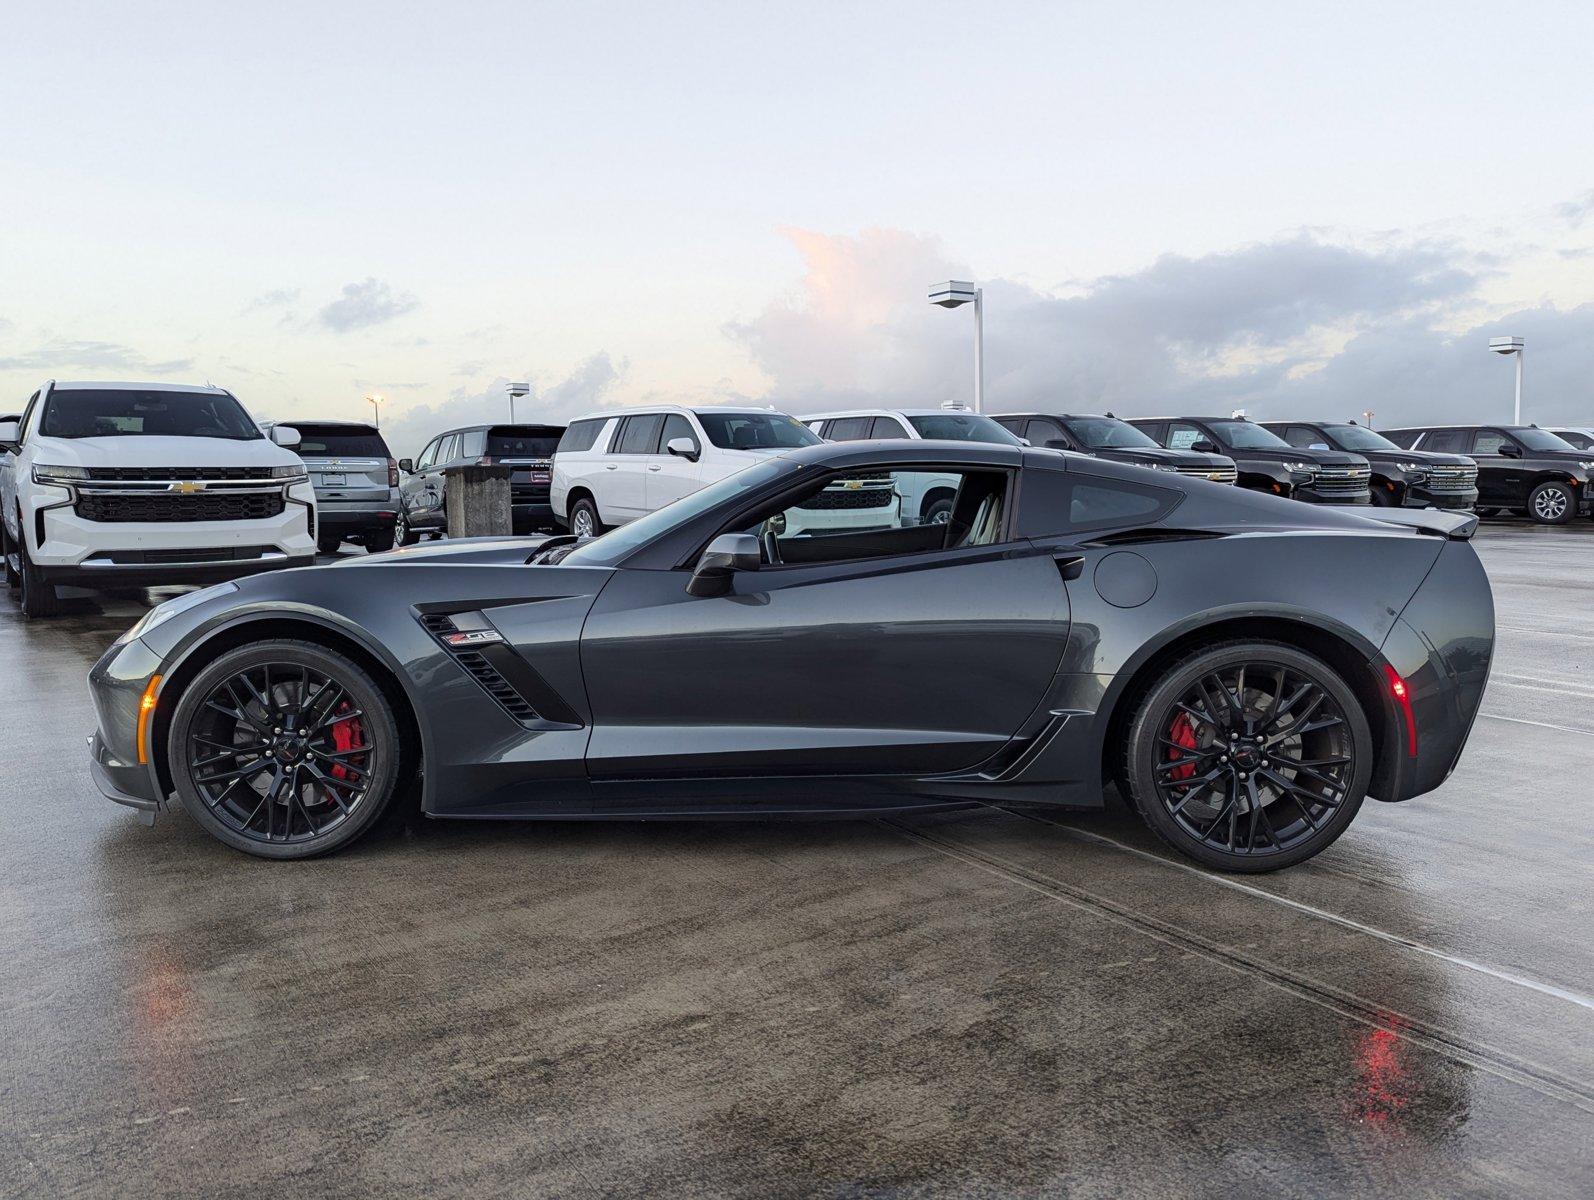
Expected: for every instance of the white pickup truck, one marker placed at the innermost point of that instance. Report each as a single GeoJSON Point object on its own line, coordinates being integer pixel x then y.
{"type": "Point", "coordinates": [133, 484]}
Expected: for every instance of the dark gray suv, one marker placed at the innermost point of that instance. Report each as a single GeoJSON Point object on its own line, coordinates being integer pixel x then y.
{"type": "Point", "coordinates": [355, 479]}
{"type": "Point", "coordinates": [527, 450]}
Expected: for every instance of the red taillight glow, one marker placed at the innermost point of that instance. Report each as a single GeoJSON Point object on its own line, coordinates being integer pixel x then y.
{"type": "Point", "coordinates": [1402, 695]}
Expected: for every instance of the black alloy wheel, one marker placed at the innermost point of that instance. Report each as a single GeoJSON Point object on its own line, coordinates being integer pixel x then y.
{"type": "Point", "coordinates": [284, 749]}
{"type": "Point", "coordinates": [1249, 756]}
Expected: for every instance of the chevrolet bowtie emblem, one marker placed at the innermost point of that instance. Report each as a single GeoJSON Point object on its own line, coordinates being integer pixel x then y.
{"type": "Point", "coordinates": [186, 487]}
{"type": "Point", "coordinates": [853, 485]}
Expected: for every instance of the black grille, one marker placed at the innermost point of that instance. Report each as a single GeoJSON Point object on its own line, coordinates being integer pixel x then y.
{"type": "Point", "coordinates": [834, 498]}
{"type": "Point", "coordinates": [163, 474]}
{"type": "Point", "coordinates": [218, 554]}
{"type": "Point", "coordinates": [160, 506]}
{"type": "Point", "coordinates": [496, 685]}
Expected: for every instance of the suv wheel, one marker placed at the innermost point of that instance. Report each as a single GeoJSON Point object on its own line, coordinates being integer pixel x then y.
{"type": "Point", "coordinates": [379, 540]}
{"type": "Point", "coordinates": [1248, 756]}
{"type": "Point", "coordinates": [402, 533]}
{"type": "Point", "coordinates": [1552, 504]}
{"type": "Point", "coordinates": [328, 543]}
{"type": "Point", "coordinates": [284, 749]}
{"type": "Point", "coordinates": [13, 576]}
{"type": "Point", "coordinates": [37, 598]}
{"type": "Point", "coordinates": [584, 519]}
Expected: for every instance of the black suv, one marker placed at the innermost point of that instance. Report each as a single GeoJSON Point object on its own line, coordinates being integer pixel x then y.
{"type": "Point", "coordinates": [1108, 437]}
{"type": "Point", "coordinates": [1401, 478]}
{"type": "Point", "coordinates": [1521, 468]}
{"type": "Point", "coordinates": [1266, 462]}
{"type": "Point", "coordinates": [526, 449]}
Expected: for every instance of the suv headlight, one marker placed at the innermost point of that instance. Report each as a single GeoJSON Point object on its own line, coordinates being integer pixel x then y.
{"type": "Point", "coordinates": [1301, 468]}
{"type": "Point", "coordinates": [168, 609]}
{"type": "Point", "coordinates": [43, 473]}
{"type": "Point", "coordinates": [1587, 466]}
{"type": "Point", "coordinates": [1157, 466]}
{"type": "Point", "coordinates": [291, 474]}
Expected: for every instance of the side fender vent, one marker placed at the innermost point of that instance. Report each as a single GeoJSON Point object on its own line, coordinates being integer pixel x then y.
{"type": "Point", "coordinates": [496, 686]}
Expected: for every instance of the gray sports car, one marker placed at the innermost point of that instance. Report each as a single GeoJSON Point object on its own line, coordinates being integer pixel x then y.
{"type": "Point", "coordinates": [1245, 669]}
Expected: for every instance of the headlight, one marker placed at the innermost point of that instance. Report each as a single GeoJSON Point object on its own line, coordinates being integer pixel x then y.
{"type": "Point", "coordinates": [294, 474]}
{"type": "Point", "coordinates": [1162, 466]}
{"type": "Point", "coordinates": [1301, 467]}
{"type": "Point", "coordinates": [168, 609]}
{"type": "Point", "coordinates": [43, 473]}
{"type": "Point", "coordinates": [1587, 466]}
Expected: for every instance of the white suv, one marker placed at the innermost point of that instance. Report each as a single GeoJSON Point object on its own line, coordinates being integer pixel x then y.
{"type": "Point", "coordinates": [932, 497]}
{"type": "Point", "coordinates": [613, 467]}
{"type": "Point", "coordinates": [130, 484]}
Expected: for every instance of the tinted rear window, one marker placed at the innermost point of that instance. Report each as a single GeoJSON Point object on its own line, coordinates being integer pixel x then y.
{"type": "Point", "coordinates": [582, 435]}
{"type": "Point", "coordinates": [124, 412]}
{"type": "Point", "coordinates": [338, 441]}
{"type": "Point", "coordinates": [526, 441]}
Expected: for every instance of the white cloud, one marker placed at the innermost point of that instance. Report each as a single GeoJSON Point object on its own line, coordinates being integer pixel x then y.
{"type": "Point", "coordinates": [57, 354]}
{"type": "Point", "coordinates": [362, 305]}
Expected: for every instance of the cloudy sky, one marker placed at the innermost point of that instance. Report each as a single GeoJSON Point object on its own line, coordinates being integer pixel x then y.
{"type": "Point", "coordinates": [1286, 207]}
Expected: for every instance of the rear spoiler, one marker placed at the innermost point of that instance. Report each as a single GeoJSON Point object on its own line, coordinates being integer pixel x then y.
{"type": "Point", "coordinates": [1436, 522]}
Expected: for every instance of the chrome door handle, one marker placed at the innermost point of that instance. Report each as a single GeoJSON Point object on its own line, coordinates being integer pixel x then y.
{"type": "Point", "coordinates": [655, 467]}
{"type": "Point", "coordinates": [611, 466]}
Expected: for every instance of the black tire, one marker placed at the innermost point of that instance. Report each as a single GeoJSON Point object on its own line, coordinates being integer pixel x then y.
{"type": "Point", "coordinates": [328, 543]}
{"type": "Point", "coordinates": [35, 597]}
{"type": "Point", "coordinates": [938, 512]}
{"type": "Point", "coordinates": [321, 813]}
{"type": "Point", "coordinates": [1552, 503]}
{"type": "Point", "coordinates": [402, 533]}
{"type": "Point", "coordinates": [1487, 512]}
{"type": "Point", "coordinates": [379, 541]}
{"type": "Point", "coordinates": [1247, 773]}
{"type": "Point", "coordinates": [13, 576]}
{"type": "Point", "coordinates": [584, 518]}
{"type": "Point", "coordinates": [1382, 497]}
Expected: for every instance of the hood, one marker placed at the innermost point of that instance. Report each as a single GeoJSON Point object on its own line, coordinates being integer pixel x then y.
{"type": "Point", "coordinates": [160, 451]}
{"type": "Point", "coordinates": [1428, 458]}
{"type": "Point", "coordinates": [1172, 458]}
{"type": "Point", "coordinates": [1323, 458]}
{"type": "Point", "coordinates": [480, 550]}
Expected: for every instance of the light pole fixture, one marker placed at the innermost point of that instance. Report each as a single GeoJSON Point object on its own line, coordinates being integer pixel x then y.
{"type": "Point", "coordinates": [515, 390]}
{"type": "Point", "coordinates": [955, 293]}
{"type": "Point", "coordinates": [1509, 346]}
{"type": "Point", "coordinates": [1368, 415]}
{"type": "Point", "coordinates": [374, 400]}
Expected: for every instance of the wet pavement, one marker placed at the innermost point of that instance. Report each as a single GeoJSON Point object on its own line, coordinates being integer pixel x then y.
{"type": "Point", "coordinates": [979, 1004]}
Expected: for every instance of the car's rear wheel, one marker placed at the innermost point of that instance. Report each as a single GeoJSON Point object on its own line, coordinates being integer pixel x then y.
{"type": "Point", "coordinates": [379, 541]}
{"type": "Point", "coordinates": [402, 533]}
{"type": "Point", "coordinates": [36, 597]}
{"type": "Point", "coordinates": [584, 519]}
{"type": "Point", "coordinates": [328, 544]}
{"type": "Point", "coordinates": [1248, 756]}
{"type": "Point", "coordinates": [284, 749]}
{"type": "Point", "coordinates": [1552, 504]}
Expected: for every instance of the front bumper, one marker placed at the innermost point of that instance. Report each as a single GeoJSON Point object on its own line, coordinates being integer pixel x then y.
{"type": "Point", "coordinates": [1420, 496]}
{"type": "Point", "coordinates": [117, 683]}
{"type": "Point", "coordinates": [1312, 495]}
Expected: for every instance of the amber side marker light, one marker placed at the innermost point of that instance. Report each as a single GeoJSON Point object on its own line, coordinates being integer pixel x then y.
{"type": "Point", "coordinates": [146, 710]}
{"type": "Point", "coordinates": [1402, 694]}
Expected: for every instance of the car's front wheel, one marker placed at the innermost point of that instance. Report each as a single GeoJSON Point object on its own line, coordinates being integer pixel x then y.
{"type": "Point", "coordinates": [8, 552]}
{"type": "Point", "coordinates": [328, 544]}
{"type": "Point", "coordinates": [36, 597]}
{"type": "Point", "coordinates": [284, 749]}
{"type": "Point", "coordinates": [1248, 756]}
{"type": "Point", "coordinates": [1552, 504]}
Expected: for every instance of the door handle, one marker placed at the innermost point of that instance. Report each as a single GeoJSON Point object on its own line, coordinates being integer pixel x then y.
{"type": "Point", "coordinates": [611, 466]}
{"type": "Point", "coordinates": [655, 467]}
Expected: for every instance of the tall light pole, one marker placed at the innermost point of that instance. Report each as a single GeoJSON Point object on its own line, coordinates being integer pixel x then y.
{"type": "Point", "coordinates": [955, 293]}
{"type": "Point", "coordinates": [516, 389]}
{"type": "Point", "coordinates": [1509, 346]}
{"type": "Point", "coordinates": [374, 400]}
{"type": "Point", "coordinates": [1367, 415]}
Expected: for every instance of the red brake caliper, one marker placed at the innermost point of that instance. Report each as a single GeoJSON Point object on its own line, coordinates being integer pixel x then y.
{"type": "Point", "coordinates": [346, 736]}
{"type": "Point", "coordinates": [1181, 733]}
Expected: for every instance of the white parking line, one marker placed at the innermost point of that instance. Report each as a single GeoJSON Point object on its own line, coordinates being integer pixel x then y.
{"type": "Point", "coordinates": [1555, 633]}
{"type": "Point", "coordinates": [1540, 724]}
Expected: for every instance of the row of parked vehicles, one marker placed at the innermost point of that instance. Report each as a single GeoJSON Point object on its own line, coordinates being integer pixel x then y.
{"type": "Point", "coordinates": [133, 484]}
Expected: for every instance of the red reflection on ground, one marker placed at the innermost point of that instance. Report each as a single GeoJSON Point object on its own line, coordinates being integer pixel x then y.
{"type": "Point", "coordinates": [1384, 1085]}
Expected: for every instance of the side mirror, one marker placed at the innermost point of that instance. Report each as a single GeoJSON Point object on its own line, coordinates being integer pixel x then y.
{"type": "Point", "coordinates": [407, 465]}
{"type": "Point", "coordinates": [725, 555]}
{"type": "Point", "coordinates": [1204, 447]}
{"type": "Point", "coordinates": [285, 436]}
{"type": "Point", "coordinates": [1507, 450]}
{"type": "Point", "coordinates": [1319, 446]}
{"type": "Point", "coordinates": [1057, 444]}
{"type": "Point", "coordinates": [683, 448]}
{"type": "Point", "coordinates": [10, 433]}
{"type": "Point", "coordinates": [1025, 441]}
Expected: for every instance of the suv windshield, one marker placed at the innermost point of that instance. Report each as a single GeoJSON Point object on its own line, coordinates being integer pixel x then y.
{"type": "Point", "coordinates": [125, 412]}
{"type": "Point", "coordinates": [756, 431]}
{"type": "Point", "coordinates": [963, 427]}
{"type": "Point", "coordinates": [1107, 433]}
{"type": "Point", "coordinates": [609, 549]}
{"type": "Point", "coordinates": [337, 441]}
{"type": "Point", "coordinates": [1243, 435]}
{"type": "Point", "coordinates": [1541, 439]}
{"type": "Point", "coordinates": [523, 441]}
{"type": "Point", "coordinates": [1358, 437]}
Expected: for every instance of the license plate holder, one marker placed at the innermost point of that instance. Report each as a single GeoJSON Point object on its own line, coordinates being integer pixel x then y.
{"type": "Point", "coordinates": [334, 480]}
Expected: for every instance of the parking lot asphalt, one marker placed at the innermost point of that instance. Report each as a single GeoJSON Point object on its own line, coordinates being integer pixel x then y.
{"type": "Point", "coordinates": [988, 1003]}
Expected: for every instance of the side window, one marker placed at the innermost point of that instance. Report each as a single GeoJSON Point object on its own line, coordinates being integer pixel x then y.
{"type": "Point", "coordinates": [446, 447]}
{"type": "Point", "coordinates": [677, 426]}
{"type": "Point", "coordinates": [1043, 430]}
{"type": "Point", "coordinates": [847, 429]}
{"type": "Point", "coordinates": [1446, 441]}
{"type": "Point", "coordinates": [581, 435]}
{"type": "Point", "coordinates": [428, 455]}
{"type": "Point", "coordinates": [876, 514]}
{"type": "Point", "coordinates": [1489, 441]}
{"type": "Point", "coordinates": [1155, 430]}
{"type": "Point", "coordinates": [1182, 436]}
{"type": "Point", "coordinates": [1013, 425]}
{"type": "Point", "coordinates": [1306, 438]}
{"type": "Point", "coordinates": [887, 427]}
{"type": "Point", "coordinates": [640, 434]}
{"type": "Point", "coordinates": [1058, 503]}
{"type": "Point", "coordinates": [473, 444]}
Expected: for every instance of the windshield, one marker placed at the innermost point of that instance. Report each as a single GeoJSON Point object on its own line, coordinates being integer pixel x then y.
{"type": "Point", "coordinates": [338, 441]}
{"type": "Point", "coordinates": [1358, 437]}
{"type": "Point", "coordinates": [756, 431]}
{"type": "Point", "coordinates": [124, 412]}
{"type": "Point", "coordinates": [1541, 439]}
{"type": "Point", "coordinates": [1108, 433]}
{"type": "Point", "coordinates": [609, 549]}
{"type": "Point", "coordinates": [1243, 435]}
{"type": "Point", "coordinates": [963, 427]}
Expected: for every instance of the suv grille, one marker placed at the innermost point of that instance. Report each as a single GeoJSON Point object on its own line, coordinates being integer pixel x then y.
{"type": "Point", "coordinates": [1452, 479]}
{"type": "Point", "coordinates": [165, 474]}
{"type": "Point", "coordinates": [846, 498]}
{"type": "Point", "coordinates": [161, 506]}
{"type": "Point", "coordinates": [1342, 481]}
{"type": "Point", "coordinates": [1217, 474]}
